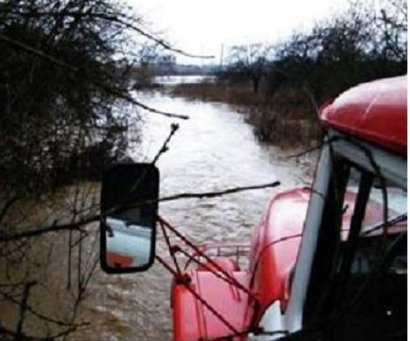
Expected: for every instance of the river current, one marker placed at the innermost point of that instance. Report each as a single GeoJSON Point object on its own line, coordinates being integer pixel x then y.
{"type": "Point", "coordinates": [213, 150]}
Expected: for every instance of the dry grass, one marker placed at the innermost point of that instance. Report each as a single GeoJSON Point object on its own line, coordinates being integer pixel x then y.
{"type": "Point", "coordinates": [286, 119]}
{"type": "Point", "coordinates": [240, 95]}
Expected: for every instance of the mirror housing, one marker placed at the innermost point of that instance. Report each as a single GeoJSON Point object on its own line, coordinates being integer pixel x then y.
{"type": "Point", "coordinates": [129, 206]}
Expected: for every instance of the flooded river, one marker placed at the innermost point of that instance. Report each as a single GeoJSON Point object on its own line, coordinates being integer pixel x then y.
{"type": "Point", "coordinates": [213, 150]}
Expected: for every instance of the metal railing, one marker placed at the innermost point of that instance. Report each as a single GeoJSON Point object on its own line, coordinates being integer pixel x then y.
{"type": "Point", "coordinates": [239, 252]}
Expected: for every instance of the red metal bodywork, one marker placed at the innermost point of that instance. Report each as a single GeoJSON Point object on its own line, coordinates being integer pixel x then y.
{"type": "Point", "coordinates": [375, 111]}
{"type": "Point", "coordinates": [270, 265]}
{"type": "Point", "coordinates": [273, 254]}
{"type": "Point", "coordinates": [193, 321]}
{"type": "Point", "coordinates": [275, 245]}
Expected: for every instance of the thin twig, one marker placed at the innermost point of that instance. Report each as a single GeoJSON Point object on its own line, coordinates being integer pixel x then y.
{"type": "Point", "coordinates": [23, 308]}
{"type": "Point", "coordinates": [5, 331]}
{"type": "Point", "coordinates": [10, 202]}
{"type": "Point", "coordinates": [119, 19]}
{"type": "Point", "coordinates": [213, 194]}
{"type": "Point", "coordinates": [306, 151]}
{"type": "Point", "coordinates": [164, 148]}
{"type": "Point", "coordinates": [31, 310]}
{"type": "Point", "coordinates": [73, 69]}
{"type": "Point", "coordinates": [77, 225]}
{"type": "Point", "coordinates": [160, 42]}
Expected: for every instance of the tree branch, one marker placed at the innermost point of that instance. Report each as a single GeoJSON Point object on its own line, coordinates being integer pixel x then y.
{"type": "Point", "coordinates": [73, 69]}
{"type": "Point", "coordinates": [115, 18]}
{"type": "Point", "coordinates": [23, 308]}
{"type": "Point", "coordinates": [77, 225]}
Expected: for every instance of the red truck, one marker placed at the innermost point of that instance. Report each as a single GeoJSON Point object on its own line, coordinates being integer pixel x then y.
{"type": "Point", "coordinates": [325, 263]}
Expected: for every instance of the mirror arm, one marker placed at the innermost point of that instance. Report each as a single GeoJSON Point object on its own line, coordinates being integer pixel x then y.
{"type": "Point", "coordinates": [107, 229]}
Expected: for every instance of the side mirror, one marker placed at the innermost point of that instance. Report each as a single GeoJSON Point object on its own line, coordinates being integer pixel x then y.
{"type": "Point", "coordinates": [129, 208]}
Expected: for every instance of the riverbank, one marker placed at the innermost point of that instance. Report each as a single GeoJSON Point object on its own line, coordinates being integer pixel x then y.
{"type": "Point", "coordinates": [213, 150]}
{"type": "Point", "coordinates": [286, 119]}
{"type": "Point", "coordinates": [216, 92]}
{"type": "Point", "coordinates": [203, 156]}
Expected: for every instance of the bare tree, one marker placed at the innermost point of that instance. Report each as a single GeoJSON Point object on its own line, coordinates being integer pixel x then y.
{"type": "Point", "coordinates": [359, 44]}
{"type": "Point", "coordinates": [65, 114]}
{"type": "Point", "coordinates": [247, 63]}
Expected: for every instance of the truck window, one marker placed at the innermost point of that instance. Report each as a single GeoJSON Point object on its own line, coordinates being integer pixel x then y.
{"type": "Point", "coordinates": [368, 297]}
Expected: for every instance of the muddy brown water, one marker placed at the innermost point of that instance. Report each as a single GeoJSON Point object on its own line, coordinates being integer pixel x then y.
{"type": "Point", "coordinates": [213, 150]}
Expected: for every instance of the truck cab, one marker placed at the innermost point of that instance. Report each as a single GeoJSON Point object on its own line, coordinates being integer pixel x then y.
{"type": "Point", "coordinates": [327, 250]}
{"type": "Point", "coordinates": [327, 262]}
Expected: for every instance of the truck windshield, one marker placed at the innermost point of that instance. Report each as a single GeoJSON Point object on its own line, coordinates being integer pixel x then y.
{"type": "Point", "coordinates": [390, 200]}
{"type": "Point", "coordinates": [373, 290]}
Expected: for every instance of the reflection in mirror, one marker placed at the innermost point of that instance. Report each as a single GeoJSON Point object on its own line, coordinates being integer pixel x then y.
{"type": "Point", "coordinates": [128, 230]}
{"type": "Point", "coordinates": [128, 243]}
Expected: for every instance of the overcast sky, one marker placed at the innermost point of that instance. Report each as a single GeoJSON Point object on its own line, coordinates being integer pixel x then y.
{"type": "Point", "coordinates": [201, 27]}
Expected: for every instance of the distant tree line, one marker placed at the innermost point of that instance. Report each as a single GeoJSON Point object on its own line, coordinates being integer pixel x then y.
{"type": "Point", "coordinates": [360, 44]}
{"type": "Point", "coordinates": [294, 77]}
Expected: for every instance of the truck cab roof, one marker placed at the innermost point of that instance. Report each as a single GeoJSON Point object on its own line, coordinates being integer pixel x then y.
{"type": "Point", "coordinates": [374, 111]}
